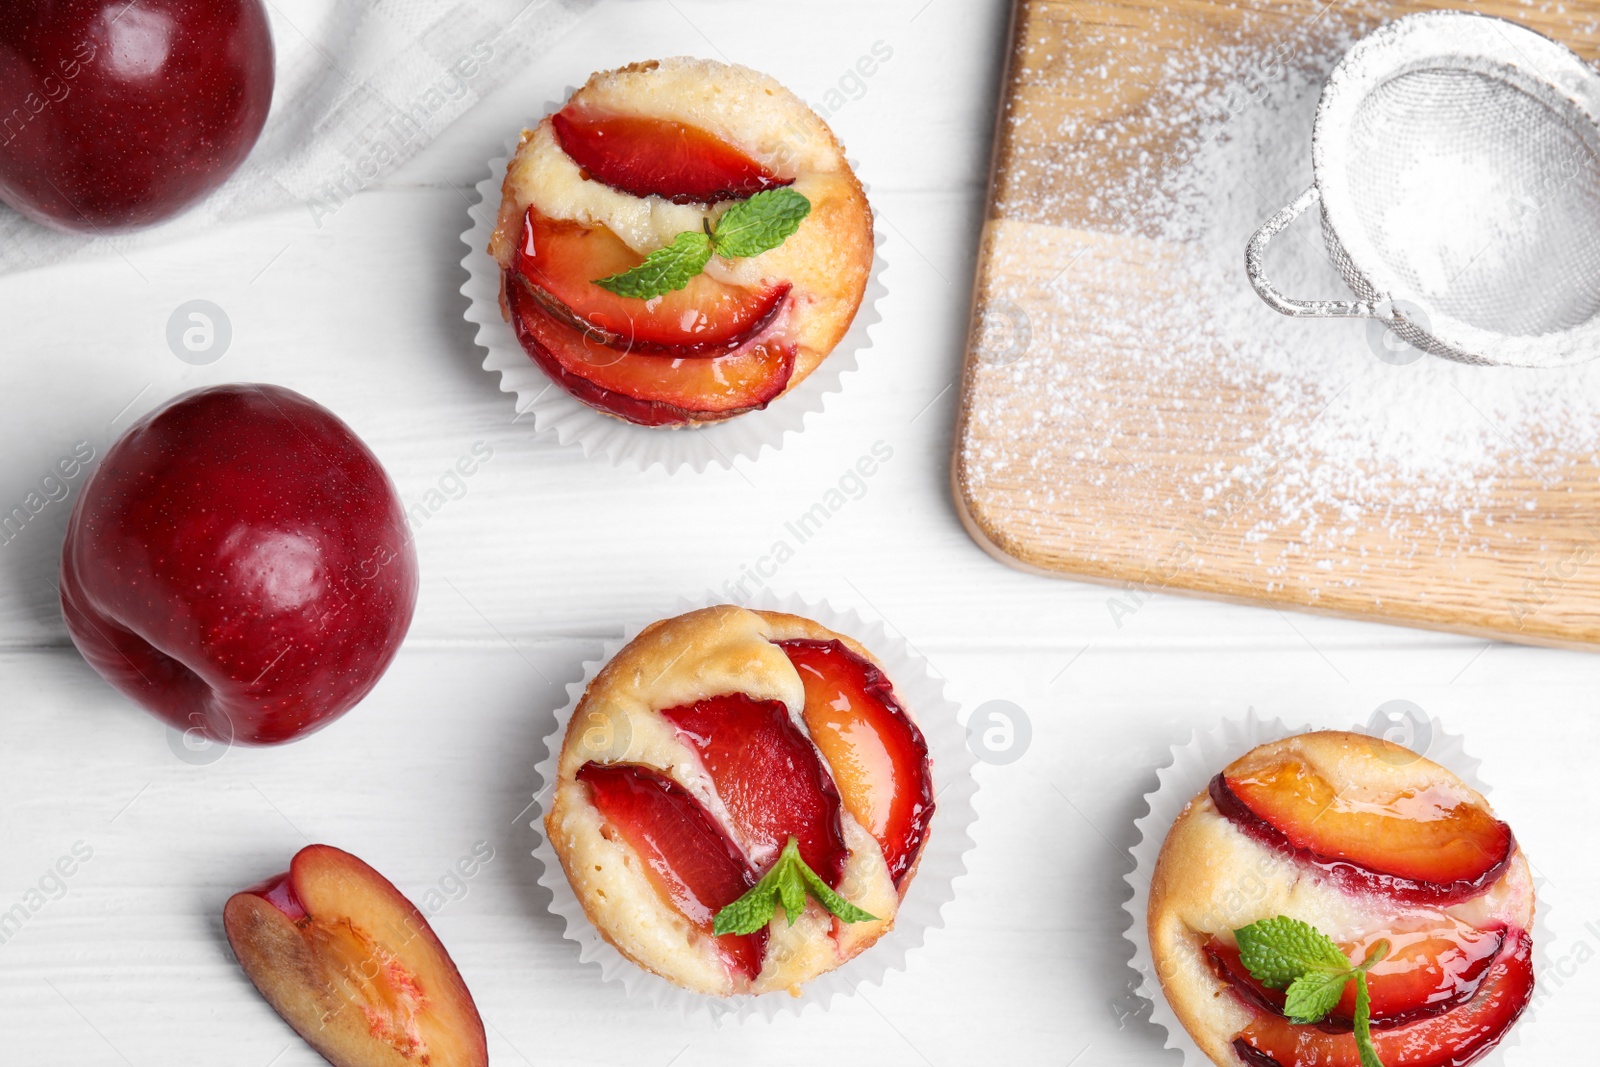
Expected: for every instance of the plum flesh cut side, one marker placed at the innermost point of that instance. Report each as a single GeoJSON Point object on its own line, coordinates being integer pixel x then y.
{"type": "Point", "coordinates": [692, 862]}
{"type": "Point", "coordinates": [648, 390]}
{"type": "Point", "coordinates": [769, 776]}
{"type": "Point", "coordinates": [1428, 971]}
{"type": "Point", "coordinates": [561, 261]}
{"type": "Point", "coordinates": [878, 756]}
{"type": "Point", "coordinates": [1455, 1038]}
{"type": "Point", "coordinates": [645, 156]}
{"type": "Point", "coordinates": [353, 966]}
{"type": "Point", "coordinates": [1426, 847]}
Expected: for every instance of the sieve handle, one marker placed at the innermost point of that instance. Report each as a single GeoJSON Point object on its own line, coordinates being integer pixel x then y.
{"type": "Point", "coordinates": [1255, 255]}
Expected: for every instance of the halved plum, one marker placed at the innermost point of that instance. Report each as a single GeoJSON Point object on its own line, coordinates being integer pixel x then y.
{"type": "Point", "coordinates": [691, 860]}
{"type": "Point", "coordinates": [878, 756]}
{"type": "Point", "coordinates": [645, 156]}
{"type": "Point", "coordinates": [646, 389]}
{"type": "Point", "coordinates": [562, 260]}
{"type": "Point", "coordinates": [769, 776]}
{"type": "Point", "coordinates": [352, 965]}
{"type": "Point", "coordinates": [1453, 1039]}
{"type": "Point", "coordinates": [1428, 971]}
{"type": "Point", "coordinates": [1419, 847]}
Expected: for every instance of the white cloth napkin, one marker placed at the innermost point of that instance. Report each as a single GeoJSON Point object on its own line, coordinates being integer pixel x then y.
{"type": "Point", "coordinates": [362, 86]}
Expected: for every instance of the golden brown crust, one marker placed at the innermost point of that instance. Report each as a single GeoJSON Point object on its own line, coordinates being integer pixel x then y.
{"type": "Point", "coordinates": [671, 663]}
{"type": "Point", "coordinates": [1212, 879]}
{"type": "Point", "coordinates": [828, 261]}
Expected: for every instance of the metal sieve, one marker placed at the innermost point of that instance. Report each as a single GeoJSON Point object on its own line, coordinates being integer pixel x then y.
{"type": "Point", "coordinates": [1456, 158]}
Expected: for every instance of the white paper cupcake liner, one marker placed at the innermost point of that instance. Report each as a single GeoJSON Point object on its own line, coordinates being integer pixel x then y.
{"type": "Point", "coordinates": [551, 409]}
{"type": "Point", "coordinates": [1193, 766]}
{"type": "Point", "coordinates": [931, 888]}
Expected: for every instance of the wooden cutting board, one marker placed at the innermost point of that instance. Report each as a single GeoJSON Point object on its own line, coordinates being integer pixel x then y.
{"type": "Point", "coordinates": [1120, 489]}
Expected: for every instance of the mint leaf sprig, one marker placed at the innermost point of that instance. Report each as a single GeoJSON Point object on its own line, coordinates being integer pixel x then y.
{"type": "Point", "coordinates": [1287, 953]}
{"type": "Point", "coordinates": [759, 224]}
{"type": "Point", "coordinates": [665, 270]}
{"type": "Point", "coordinates": [748, 228]}
{"type": "Point", "coordinates": [787, 883]}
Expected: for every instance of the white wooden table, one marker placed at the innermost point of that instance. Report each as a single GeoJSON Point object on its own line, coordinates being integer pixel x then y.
{"type": "Point", "coordinates": [547, 553]}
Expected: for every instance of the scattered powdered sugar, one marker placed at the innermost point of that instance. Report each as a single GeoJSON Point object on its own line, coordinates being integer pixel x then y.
{"type": "Point", "coordinates": [1358, 429]}
{"type": "Point", "coordinates": [1390, 419]}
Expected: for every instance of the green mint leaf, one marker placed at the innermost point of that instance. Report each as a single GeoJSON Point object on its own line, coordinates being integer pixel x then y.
{"type": "Point", "coordinates": [1277, 951]}
{"type": "Point", "coordinates": [663, 271]}
{"type": "Point", "coordinates": [753, 911]}
{"type": "Point", "coordinates": [786, 883]}
{"type": "Point", "coordinates": [749, 913]}
{"type": "Point", "coordinates": [1314, 994]}
{"type": "Point", "coordinates": [1369, 1054]}
{"type": "Point", "coordinates": [1286, 952]}
{"type": "Point", "coordinates": [840, 907]}
{"type": "Point", "coordinates": [748, 228]}
{"type": "Point", "coordinates": [760, 223]}
{"type": "Point", "coordinates": [1378, 954]}
{"type": "Point", "coordinates": [791, 887]}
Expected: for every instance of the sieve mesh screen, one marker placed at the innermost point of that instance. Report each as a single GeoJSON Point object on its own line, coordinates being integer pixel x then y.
{"type": "Point", "coordinates": [1481, 197]}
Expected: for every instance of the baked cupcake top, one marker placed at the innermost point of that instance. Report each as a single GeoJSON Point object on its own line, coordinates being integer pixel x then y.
{"type": "Point", "coordinates": [1339, 839]}
{"type": "Point", "coordinates": [714, 749]}
{"type": "Point", "coordinates": [638, 158]}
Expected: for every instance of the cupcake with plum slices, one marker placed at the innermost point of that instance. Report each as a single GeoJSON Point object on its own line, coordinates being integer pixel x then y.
{"type": "Point", "coordinates": [740, 801]}
{"type": "Point", "coordinates": [1335, 900]}
{"type": "Point", "coordinates": [682, 243]}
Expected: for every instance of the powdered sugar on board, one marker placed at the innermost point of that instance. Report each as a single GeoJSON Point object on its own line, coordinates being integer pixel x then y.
{"type": "Point", "coordinates": [1149, 353]}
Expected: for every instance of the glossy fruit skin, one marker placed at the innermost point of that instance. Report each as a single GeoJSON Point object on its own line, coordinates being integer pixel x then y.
{"type": "Point", "coordinates": [878, 755]}
{"type": "Point", "coordinates": [1420, 978]}
{"type": "Point", "coordinates": [124, 115]}
{"type": "Point", "coordinates": [645, 156]}
{"type": "Point", "coordinates": [769, 776]}
{"type": "Point", "coordinates": [1370, 874]}
{"type": "Point", "coordinates": [691, 860]}
{"type": "Point", "coordinates": [559, 261]}
{"type": "Point", "coordinates": [1455, 1038]}
{"type": "Point", "coordinates": [239, 565]}
{"type": "Point", "coordinates": [648, 390]}
{"type": "Point", "coordinates": [279, 892]}
{"type": "Point", "coordinates": [706, 353]}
